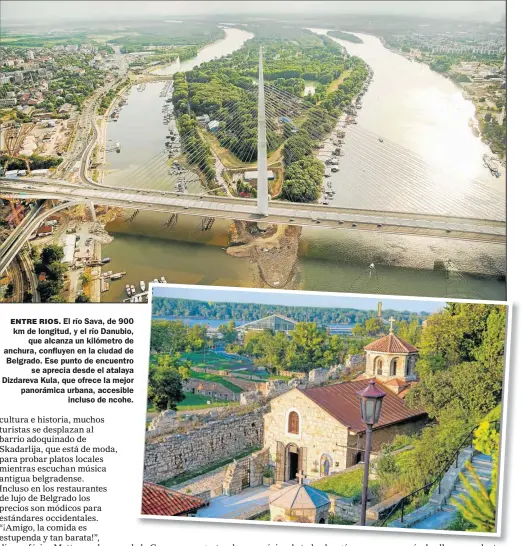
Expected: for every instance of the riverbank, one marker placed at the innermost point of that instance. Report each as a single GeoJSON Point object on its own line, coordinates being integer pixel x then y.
{"type": "Point", "coordinates": [274, 251]}
{"type": "Point", "coordinates": [482, 83]}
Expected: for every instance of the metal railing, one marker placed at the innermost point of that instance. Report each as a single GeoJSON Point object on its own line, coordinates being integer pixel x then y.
{"type": "Point", "coordinates": [425, 489]}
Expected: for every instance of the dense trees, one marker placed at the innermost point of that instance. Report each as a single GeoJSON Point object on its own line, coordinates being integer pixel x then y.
{"type": "Point", "coordinates": [225, 90]}
{"type": "Point", "coordinates": [50, 264]}
{"type": "Point", "coordinates": [345, 36]}
{"type": "Point", "coordinates": [178, 307]}
{"type": "Point", "coordinates": [175, 337]}
{"type": "Point", "coordinates": [165, 387]}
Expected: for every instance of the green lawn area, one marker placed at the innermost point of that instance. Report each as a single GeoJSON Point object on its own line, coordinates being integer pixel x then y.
{"type": "Point", "coordinates": [216, 379]}
{"type": "Point", "coordinates": [198, 401]}
{"type": "Point", "coordinates": [346, 484]}
{"type": "Point", "coordinates": [215, 360]}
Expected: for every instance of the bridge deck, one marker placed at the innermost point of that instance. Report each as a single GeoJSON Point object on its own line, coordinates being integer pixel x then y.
{"type": "Point", "coordinates": [280, 212]}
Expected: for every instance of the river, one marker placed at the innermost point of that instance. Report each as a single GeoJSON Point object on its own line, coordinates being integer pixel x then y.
{"type": "Point", "coordinates": [329, 260]}
{"type": "Point", "coordinates": [234, 39]}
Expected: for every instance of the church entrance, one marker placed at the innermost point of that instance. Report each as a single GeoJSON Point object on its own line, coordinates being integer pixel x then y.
{"type": "Point", "coordinates": [292, 461]}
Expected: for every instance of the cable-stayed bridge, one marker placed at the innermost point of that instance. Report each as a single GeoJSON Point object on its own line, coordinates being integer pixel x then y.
{"type": "Point", "coordinates": [389, 189]}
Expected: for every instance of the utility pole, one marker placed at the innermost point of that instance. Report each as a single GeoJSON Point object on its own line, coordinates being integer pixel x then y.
{"type": "Point", "coordinates": [262, 175]}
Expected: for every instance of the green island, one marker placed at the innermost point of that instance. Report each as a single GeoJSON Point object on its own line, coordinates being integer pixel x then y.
{"type": "Point", "coordinates": [225, 90]}
{"type": "Point", "coordinates": [345, 36]}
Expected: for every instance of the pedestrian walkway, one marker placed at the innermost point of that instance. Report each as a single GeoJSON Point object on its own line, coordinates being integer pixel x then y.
{"type": "Point", "coordinates": [232, 507]}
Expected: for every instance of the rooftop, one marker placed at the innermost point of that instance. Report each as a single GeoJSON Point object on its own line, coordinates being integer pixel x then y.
{"type": "Point", "coordinates": [391, 344]}
{"type": "Point", "coordinates": [298, 497]}
{"type": "Point", "coordinates": [157, 500]}
{"type": "Point", "coordinates": [341, 401]}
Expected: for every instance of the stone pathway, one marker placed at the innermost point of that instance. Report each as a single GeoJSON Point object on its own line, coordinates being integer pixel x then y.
{"type": "Point", "coordinates": [439, 518]}
{"type": "Point", "coordinates": [232, 507]}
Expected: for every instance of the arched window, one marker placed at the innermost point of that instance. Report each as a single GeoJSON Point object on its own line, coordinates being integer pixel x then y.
{"type": "Point", "coordinates": [410, 362]}
{"type": "Point", "coordinates": [293, 422]}
{"type": "Point", "coordinates": [378, 366]}
{"type": "Point", "coordinates": [393, 367]}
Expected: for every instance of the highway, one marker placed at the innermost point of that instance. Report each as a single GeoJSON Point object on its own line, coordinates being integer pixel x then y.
{"type": "Point", "coordinates": [13, 245]}
{"type": "Point", "coordinates": [279, 212]}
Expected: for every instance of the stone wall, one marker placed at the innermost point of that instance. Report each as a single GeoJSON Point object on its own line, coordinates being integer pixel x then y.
{"type": "Point", "coordinates": [319, 432]}
{"type": "Point", "coordinates": [173, 455]}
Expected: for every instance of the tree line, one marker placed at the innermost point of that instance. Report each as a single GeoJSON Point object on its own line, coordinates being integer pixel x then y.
{"type": "Point", "coordinates": [179, 307]}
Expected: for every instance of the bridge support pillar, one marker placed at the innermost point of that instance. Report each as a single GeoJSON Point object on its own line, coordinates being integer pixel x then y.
{"type": "Point", "coordinates": [262, 175]}
{"type": "Point", "coordinates": [206, 223]}
{"type": "Point", "coordinates": [92, 211]}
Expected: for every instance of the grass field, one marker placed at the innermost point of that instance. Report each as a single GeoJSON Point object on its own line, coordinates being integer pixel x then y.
{"type": "Point", "coordinates": [198, 401]}
{"type": "Point", "coordinates": [216, 379]}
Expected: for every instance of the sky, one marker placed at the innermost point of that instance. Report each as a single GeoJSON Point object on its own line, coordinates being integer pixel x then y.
{"type": "Point", "coordinates": [45, 11]}
{"type": "Point", "coordinates": [296, 298]}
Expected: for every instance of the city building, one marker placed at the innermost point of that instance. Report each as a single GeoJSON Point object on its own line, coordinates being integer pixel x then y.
{"type": "Point", "coordinates": [274, 323]}
{"type": "Point", "coordinates": [7, 102]}
{"type": "Point", "coordinates": [319, 430]}
{"type": "Point", "coordinates": [251, 176]}
{"type": "Point", "coordinates": [213, 126]}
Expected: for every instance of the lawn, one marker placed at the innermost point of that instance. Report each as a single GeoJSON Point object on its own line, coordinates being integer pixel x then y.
{"type": "Point", "coordinates": [216, 360]}
{"type": "Point", "coordinates": [346, 484]}
{"type": "Point", "coordinates": [216, 379]}
{"type": "Point", "coordinates": [198, 401]}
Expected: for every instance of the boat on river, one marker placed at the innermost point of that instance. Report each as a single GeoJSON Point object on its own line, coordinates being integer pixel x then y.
{"type": "Point", "coordinates": [142, 286]}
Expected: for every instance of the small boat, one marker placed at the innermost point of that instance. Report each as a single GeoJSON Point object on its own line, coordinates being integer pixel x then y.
{"type": "Point", "coordinates": [128, 290]}
{"type": "Point", "coordinates": [105, 260]}
{"type": "Point", "coordinates": [133, 290]}
{"type": "Point", "coordinates": [142, 286]}
{"type": "Point", "coordinates": [163, 280]}
{"type": "Point", "coordinates": [156, 280]}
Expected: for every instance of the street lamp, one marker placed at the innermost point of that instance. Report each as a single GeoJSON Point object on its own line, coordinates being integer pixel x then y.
{"type": "Point", "coordinates": [370, 400]}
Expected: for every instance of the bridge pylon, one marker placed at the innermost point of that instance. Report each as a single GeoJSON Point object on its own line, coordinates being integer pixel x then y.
{"type": "Point", "coordinates": [262, 174]}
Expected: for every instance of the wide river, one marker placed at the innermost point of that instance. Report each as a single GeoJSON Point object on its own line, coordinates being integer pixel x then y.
{"type": "Point", "coordinates": [416, 111]}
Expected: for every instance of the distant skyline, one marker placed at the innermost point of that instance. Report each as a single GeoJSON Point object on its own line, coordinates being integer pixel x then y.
{"type": "Point", "coordinates": [296, 299]}
{"type": "Point", "coordinates": [45, 11]}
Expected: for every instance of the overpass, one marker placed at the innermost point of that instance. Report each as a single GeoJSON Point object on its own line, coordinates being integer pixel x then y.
{"type": "Point", "coordinates": [278, 212]}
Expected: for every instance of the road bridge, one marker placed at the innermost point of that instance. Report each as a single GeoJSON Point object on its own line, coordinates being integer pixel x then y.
{"type": "Point", "coordinates": [278, 212]}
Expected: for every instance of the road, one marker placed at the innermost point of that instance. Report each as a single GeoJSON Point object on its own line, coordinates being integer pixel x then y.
{"type": "Point", "coordinates": [280, 212]}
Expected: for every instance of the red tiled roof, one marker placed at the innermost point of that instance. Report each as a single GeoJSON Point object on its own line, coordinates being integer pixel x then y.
{"type": "Point", "coordinates": [157, 500]}
{"type": "Point", "coordinates": [391, 344]}
{"type": "Point", "coordinates": [341, 401]}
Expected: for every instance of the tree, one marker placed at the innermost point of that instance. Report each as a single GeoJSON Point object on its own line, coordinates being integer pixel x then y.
{"type": "Point", "coordinates": [228, 332]}
{"type": "Point", "coordinates": [9, 290]}
{"type": "Point", "coordinates": [86, 278]}
{"type": "Point", "coordinates": [82, 298]}
{"type": "Point", "coordinates": [165, 388]}
{"type": "Point", "coordinates": [51, 253]}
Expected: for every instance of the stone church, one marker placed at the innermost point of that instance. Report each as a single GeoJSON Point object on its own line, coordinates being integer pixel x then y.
{"type": "Point", "coordinates": [318, 431]}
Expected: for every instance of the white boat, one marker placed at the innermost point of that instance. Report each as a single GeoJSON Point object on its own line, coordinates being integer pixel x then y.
{"type": "Point", "coordinates": [163, 280]}
{"type": "Point", "coordinates": [156, 280]}
{"type": "Point", "coordinates": [142, 286]}
{"type": "Point", "coordinates": [133, 290]}
{"type": "Point", "coordinates": [128, 290]}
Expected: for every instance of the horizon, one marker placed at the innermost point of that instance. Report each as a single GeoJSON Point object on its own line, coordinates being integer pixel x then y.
{"type": "Point", "coordinates": [85, 10]}
{"type": "Point", "coordinates": [297, 299]}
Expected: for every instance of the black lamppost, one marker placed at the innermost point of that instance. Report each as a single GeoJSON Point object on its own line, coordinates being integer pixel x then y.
{"type": "Point", "coordinates": [371, 402]}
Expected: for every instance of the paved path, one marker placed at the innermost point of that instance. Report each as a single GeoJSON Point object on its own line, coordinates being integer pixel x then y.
{"type": "Point", "coordinates": [232, 507]}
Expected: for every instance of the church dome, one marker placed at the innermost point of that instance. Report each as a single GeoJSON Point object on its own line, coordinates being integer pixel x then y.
{"type": "Point", "coordinates": [391, 344]}
{"type": "Point", "coordinates": [299, 497]}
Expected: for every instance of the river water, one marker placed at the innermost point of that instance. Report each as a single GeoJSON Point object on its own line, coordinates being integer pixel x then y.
{"type": "Point", "coordinates": [411, 107]}
{"type": "Point", "coordinates": [234, 39]}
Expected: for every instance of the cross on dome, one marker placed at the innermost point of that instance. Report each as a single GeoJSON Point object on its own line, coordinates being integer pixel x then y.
{"type": "Point", "coordinates": [392, 320]}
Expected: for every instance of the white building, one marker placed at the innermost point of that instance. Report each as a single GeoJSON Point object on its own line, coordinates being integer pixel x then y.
{"type": "Point", "coordinates": [68, 249]}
